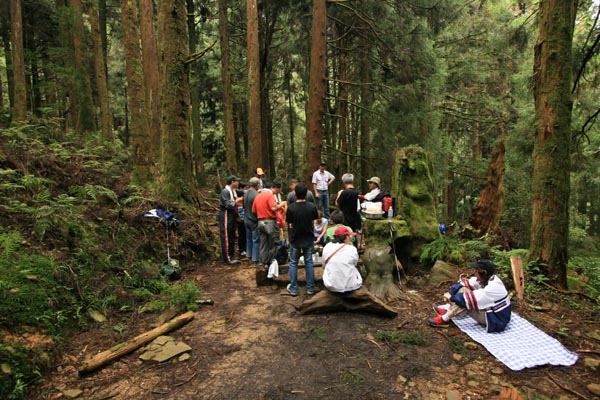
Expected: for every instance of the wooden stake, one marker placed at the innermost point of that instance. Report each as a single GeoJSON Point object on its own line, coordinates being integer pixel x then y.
{"type": "Point", "coordinates": [122, 349]}
{"type": "Point", "coordinates": [518, 276]}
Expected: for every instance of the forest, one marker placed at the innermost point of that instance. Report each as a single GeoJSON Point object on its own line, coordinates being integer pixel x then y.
{"type": "Point", "coordinates": [109, 108]}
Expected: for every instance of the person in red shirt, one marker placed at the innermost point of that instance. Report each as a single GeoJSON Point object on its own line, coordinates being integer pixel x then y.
{"type": "Point", "coordinates": [266, 208]}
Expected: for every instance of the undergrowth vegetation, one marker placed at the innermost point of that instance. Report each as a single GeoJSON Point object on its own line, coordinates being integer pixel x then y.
{"type": "Point", "coordinates": [583, 268]}
{"type": "Point", "coordinates": [72, 239]}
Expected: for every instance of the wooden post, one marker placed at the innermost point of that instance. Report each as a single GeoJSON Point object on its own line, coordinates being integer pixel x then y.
{"type": "Point", "coordinates": [518, 276]}
{"type": "Point", "coordinates": [121, 349]}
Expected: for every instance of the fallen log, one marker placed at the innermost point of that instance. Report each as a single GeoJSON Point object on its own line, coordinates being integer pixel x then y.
{"type": "Point", "coordinates": [122, 349]}
{"type": "Point", "coordinates": [357, 300]}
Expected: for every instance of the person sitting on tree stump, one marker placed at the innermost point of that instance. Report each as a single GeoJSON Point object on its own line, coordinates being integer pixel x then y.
{"type": "Point", "coordinates": [483, 297]}
{"type": "Point", "coordinates": [340, 259]}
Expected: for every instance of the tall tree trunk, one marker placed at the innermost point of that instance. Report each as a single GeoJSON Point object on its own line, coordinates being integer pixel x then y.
{"type": "Point", "coordinates": [100, 72]}
{"type": "Point", "coordinates": [1, 93]}
{"type": "Point", "coordinates": [86, 115]}
{"type": "Point", "coordinates": [552, 72]}
{"type": "Point", "coordinates": [342, 104]}
{"type": "Point", "coordinates": [18, 63]}
{"type": "Point", "coordinates": [150, 67]}
{"type": "Point", "coordinates": [255, 140]}
{"type": "Point", "coordinates": [316, 90]}
{"type": "Point", "coordinates": [136, 96]}
{"type": "Point", "coordinates": [103, 35]}
{"type": "Point", "coordinates": [486, 214]}
{"type": "Point", "coordinates": [195, 90]}
{"type": "Point", "coordinates": [288, 81]}
{"type": "Point", "coordinates": [450, 199]}
{"type": "Point", "coordinates": [366, 101]}
{"type": "Point", "coordinates": [10, 82]}
{"type": "Point", "coordinates": [230, 143]}
{"type": "Point", "coordinates": [177, 180]}
{"type": "Point", "coordinates": [36, 93]}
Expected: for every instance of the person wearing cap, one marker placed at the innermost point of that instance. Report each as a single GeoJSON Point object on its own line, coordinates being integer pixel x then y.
{"type": "Point", "coordinates": [340, 258]}
{"type": "Point", "coordinates": [251, 221]}
{"type": "Point", "coordinates": [321, 180]}
{"type": "Point", "coordinates": [483, 297]}
{"type": "Point", "coordinates": [374, 189]}
{"type": "Point", "coordinates": [300, 217]}
{"type": "Point", "coordinates": [260, 174]}
{"type": "Point", "coordinates": [266, 209]}
{"type": "Point", "coordinates": [348, 203]}
{"type": "Point", "coordinates": [227, 208]}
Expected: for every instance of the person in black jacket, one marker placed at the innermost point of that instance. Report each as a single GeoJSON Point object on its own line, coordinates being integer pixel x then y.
{"type": "Point", "coordinates": [227, 211]}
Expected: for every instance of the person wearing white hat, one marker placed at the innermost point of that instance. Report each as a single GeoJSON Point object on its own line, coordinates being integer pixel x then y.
{"type": "Point", "coordinates": [374, 188]}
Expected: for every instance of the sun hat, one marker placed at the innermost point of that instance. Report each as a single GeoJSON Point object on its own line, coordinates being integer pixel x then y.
{"type": "Point", "coordinates": [259, 171]}
{"type": "Point", "coordinates": [375, 180]}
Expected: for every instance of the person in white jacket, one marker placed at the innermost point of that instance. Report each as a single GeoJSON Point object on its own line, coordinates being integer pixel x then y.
{"type": "Point", "coordinates": [340, 258]}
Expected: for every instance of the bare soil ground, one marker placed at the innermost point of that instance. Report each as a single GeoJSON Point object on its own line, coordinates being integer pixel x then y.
{"type": "Point", "coordinates": [253, 344]}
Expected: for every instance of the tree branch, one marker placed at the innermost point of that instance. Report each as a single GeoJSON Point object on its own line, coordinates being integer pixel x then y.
{"type": "Point", "coordinates": [200, 54]}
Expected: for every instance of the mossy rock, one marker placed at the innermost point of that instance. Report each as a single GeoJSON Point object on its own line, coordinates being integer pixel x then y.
{"type": "Point", "coordinates": [413, 189]}
{"type": "Point", "coordinates": [377, 231]}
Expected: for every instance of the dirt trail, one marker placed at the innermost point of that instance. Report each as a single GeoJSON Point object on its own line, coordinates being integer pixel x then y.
{"type": "Point", "coordinates": [252, 344]}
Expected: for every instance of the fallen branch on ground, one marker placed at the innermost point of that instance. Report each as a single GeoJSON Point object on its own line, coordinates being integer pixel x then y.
{"type": "Point", "coordinates": [122, 349]}
{"type": "Point", "coordinates": [577, 292]}
{"type": "Point", "coordinates": [566, 388]}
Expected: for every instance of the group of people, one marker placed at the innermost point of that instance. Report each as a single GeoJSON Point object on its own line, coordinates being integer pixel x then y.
{"type": "Point", "coordinates": [258, 213]}
{"type": "Point", "coordinates": [308, 220]}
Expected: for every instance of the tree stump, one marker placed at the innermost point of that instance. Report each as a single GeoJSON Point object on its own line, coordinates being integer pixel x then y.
{"type": "Point", "coordinates": [357, 300]}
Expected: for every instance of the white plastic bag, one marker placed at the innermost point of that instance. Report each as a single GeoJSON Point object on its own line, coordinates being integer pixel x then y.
{"type": "Point", "coordinates": [273, 270]}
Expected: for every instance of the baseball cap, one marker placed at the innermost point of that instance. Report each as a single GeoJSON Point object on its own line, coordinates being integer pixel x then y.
{"type": "Point", "coordinates": [486, 265]}
{"type": "Point", "coordinates": [259, 171]}
{"type": "Point", "coordinates": [343, 231]}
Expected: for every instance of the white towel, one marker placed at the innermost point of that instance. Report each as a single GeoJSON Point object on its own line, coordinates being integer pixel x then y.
{"type": "Point", "coordinates": [520, 345]}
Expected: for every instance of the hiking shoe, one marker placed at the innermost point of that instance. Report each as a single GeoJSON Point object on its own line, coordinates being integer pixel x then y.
{"type": "Point", "coordinates": [438, 322]}
{"type": "Point", "coordinates": [440, 310]}
{"type": "Point", "coordinates": [234, 261]}
{"type": "Point", "coordinates": [312, 292]}
{"type": "Point", "coordinates": [289, 290]}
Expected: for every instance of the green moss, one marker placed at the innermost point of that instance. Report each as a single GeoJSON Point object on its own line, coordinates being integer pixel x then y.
{"type": "Point", "coordinates": [413, 189]}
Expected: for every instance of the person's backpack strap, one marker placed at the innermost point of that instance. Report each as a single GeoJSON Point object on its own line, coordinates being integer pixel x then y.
{"type": "Point", "coordinates": [333, 254]}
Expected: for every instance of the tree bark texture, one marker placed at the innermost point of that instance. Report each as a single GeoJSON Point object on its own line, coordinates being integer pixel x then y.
{"type": "Point", "coordinates": [10, 82]}
{"type": "Point", "coordinates": [150, 65]}
{"type": "Point", "coordinates": [256, 147]}
{"type": "Point", "coordinates": [18, 63]}
{"type": "Point", "coordinates": [552, 73]}
{"type": "Point", "coordinates": [485, 216]}
{"type": "Point", "coordinates": [227, 92]}
{"type": "Point", "coordinates": [100, 71]}
{"type": "Point", "coordinates": [85, 113]}
{"type": "Point", "coordinates": [316, 89]}
{"type": "Point", "coordinates": [195, 96]}
{"type": "Point", "coordinates": [136, 96]}
{"type": "Point", "coordinates": [176, 179]}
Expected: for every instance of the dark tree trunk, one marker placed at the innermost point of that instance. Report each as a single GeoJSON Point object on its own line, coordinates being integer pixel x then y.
{"type": "Point", "coordinates": [553, 75]}
{"type": "Point", "coordinates": [291, 121]}
{"type": "Point", "coordinates": [255, 140]}
{"type": "Point", "coordinates": [230, 141]}
{"type": "Point", "coordinates": [103, 35]}
{"type": "Point", "coordinates": [136, 96]}
{"type": "Point", "coordinates": [177, 180]}
{"type": "Point", "coordinates": [100, 71]}
{"type": "Point", "coordinates": [18, 63]}
{"type": "Point", "coordinates": [195, 92]}
{"type": "Point", "coordinates": [485, 216]}
{"type": "Point", "coordinates": [86, 115]}
{"type": "Point", "coordinates": [316, 90]}
{"type": "Point", "coordinates": [150, 67]}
